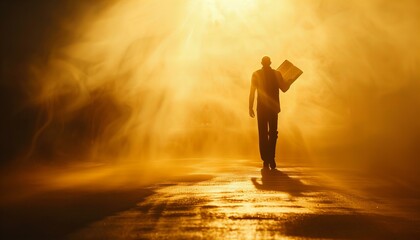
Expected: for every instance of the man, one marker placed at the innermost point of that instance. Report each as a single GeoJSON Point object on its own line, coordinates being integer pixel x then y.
{"type": "Point", "coordinates": [267, 82]}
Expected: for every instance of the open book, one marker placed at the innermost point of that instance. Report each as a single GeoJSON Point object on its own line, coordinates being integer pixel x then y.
{"type": "Point", "coordinates": [289, 73]}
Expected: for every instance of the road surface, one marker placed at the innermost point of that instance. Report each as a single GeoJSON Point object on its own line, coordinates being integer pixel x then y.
{"type": "Point", "coordinates": [236, 201]}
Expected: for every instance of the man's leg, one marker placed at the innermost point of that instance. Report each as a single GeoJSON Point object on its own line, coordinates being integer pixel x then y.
{"type": "Point", "coordinates": [272, 138]}
{"type": "Point", "coordinates": [263, 137]}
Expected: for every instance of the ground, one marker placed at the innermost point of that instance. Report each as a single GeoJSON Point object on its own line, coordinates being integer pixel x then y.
{"type": "Point", "coordinates": [236, 201]}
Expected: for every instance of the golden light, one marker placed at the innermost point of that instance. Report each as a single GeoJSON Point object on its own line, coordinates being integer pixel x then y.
{"type": "Point", "coordinates": [164, 81]}
{"type": "Point", "coordinates": [219, 10]}
{"type": "Point", "coordinates": [132, 93]}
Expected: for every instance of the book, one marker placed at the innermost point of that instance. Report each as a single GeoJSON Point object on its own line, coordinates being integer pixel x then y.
{"type": "Point", "coordinates": [289, 73]}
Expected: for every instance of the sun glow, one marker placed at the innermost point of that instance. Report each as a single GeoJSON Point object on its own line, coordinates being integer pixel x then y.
{"type": "Point", "coordinates": [219, 9]}
{"type": "Point", "coordinates": [143, 80]}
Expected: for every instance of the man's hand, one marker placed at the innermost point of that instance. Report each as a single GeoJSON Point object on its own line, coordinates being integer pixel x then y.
{"type": "Point", "coordinates": [251, 113]}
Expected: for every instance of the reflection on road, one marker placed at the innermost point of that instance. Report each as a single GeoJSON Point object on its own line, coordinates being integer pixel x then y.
{"type": "Point", "coordinates": [243, 203]}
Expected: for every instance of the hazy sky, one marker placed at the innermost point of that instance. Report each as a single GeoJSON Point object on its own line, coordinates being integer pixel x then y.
{"type": "Point", "coordinates": [165, 79]}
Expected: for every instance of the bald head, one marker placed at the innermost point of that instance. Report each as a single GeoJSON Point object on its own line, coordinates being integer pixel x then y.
{"type": "Point", "coordinates": [266, 61]}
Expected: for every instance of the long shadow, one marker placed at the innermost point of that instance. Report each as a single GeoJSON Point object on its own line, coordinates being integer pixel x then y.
{"type": "Point", "coordinates": [275, 180]}
{"type": "Point", "coordinates": [332, 225]}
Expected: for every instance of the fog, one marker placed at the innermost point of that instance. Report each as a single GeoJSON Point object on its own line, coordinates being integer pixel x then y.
{"type": "Point", "coordinates": [158, 81]}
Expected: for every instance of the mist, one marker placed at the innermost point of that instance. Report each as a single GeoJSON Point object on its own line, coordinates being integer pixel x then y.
{"type": "Point", "coordinates": [146, 81]}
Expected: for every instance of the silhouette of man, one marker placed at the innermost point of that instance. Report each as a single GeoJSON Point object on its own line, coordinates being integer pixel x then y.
{"type": "Point", "coordinates": [266, 82]}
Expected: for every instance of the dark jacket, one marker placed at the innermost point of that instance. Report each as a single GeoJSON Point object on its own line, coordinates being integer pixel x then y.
{"type": "Point", "coordinates": [266, 82]}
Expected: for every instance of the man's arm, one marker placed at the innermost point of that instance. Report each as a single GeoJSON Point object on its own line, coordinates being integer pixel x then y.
{"type": "Point", "coordinates": [282, 83]}
{"type": "Point", "coordinates": [252, 97]}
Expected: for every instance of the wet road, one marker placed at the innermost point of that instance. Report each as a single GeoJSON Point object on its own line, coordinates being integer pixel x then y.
{"type": "Point", "coordinates": [242, 202]}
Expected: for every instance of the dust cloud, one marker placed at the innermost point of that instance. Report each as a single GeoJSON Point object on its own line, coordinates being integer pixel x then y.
{"type": "Point", "coordinates": [148, 80]}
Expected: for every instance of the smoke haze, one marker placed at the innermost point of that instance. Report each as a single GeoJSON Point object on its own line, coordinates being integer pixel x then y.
{"type": "Point", "coordinates": [145, 80]}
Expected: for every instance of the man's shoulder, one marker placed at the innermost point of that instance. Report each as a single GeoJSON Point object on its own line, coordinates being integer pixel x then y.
{"type": "Point", "coordinates": [257, 73]}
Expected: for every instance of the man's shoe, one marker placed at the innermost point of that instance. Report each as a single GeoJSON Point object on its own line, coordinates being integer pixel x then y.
{"type": "Point", "coordinates": [273, 165]}
{"type": "Point", "coordinates": [266, 166]}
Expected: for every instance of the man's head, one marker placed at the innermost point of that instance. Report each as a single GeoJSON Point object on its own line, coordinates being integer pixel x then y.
{"type": "Point", "coordinates": [266, 61]}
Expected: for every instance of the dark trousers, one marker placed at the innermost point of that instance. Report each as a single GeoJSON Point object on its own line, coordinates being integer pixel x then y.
{"type": "Point", "coordinates": [267, 132]}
